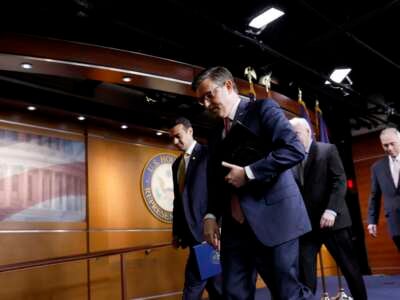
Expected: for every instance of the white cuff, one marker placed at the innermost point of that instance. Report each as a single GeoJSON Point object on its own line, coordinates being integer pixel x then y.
{"type": "Point", "coordinates": [332, 212]}
{"type": "Point", "coordinates": [209, 216]}
{"type": "Point", "coordinates": [249, 173]}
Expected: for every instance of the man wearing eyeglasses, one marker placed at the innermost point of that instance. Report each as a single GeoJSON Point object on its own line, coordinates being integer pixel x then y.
{"type": "Point", "coordinates": [262, 211]}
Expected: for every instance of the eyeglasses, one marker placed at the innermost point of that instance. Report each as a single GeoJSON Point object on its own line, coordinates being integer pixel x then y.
{"type": "Point", "coordinates": [207, 96]}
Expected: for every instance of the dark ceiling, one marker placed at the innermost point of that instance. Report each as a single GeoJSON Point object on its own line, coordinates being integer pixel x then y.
{"type": "Point", "coordinates": [300, 49]}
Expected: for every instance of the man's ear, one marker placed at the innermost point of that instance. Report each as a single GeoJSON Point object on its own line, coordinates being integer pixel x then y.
{"type": "Point", "coordinates": [190, 131]}
{"type": "Point", "coordinates": [229, 85]}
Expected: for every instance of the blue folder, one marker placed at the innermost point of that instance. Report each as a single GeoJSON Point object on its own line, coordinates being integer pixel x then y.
{"type": "Point", "coordinates": [207, 260]}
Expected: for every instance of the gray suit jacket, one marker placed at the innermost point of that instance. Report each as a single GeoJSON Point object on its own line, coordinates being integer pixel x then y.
{"type": "Point", "coordinates": [382, 185]}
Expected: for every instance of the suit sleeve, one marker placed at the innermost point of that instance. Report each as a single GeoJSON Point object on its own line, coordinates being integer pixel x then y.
{"type": "Point", "coordinates": [286, 149]}
{"type": "Point", "coordinates": [215, 185]}
{"type": "Point", "coordinates": [337, 180]}
{"type": "Point", "coordinates": [175, 217]}
{"type": "Point", "coordinates": [374, 201]}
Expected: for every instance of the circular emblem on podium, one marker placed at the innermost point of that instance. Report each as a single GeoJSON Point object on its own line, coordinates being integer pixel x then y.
{"type": "Point", "coordinates": [158, 187]}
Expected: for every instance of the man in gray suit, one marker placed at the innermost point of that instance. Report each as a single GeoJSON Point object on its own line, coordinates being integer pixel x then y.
{"type": "Point", "coordinates": [385, 181]}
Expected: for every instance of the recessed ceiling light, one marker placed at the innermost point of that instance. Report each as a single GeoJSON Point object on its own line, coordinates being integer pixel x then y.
{"type": "Point", "coordinates": [26, 66]}
{"type": "Point", "coordinates": [81, 118]}
{"type": "Point", "coordinates": [159, 133]}
{"type": "Point", "coordinates": [124, 126]}
{"type": "Point", "coordinates": [265, 18]}
{"type": "Point", "coordinates": [338, 75]}
{"type": "Point", "coordinates": [126, 79]}
{"type": "Point", "coordinates": [31, 107]}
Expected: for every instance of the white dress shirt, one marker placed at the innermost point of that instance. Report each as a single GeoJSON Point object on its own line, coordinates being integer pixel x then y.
{"type": "Point", "coordinates": [394, 164]}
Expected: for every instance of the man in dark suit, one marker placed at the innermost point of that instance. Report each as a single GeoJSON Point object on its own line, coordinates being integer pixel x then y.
{"type": "Point", "coordinates": [385, 181]}
{"type": "Point", "coordinates": [322, 182]}
{"type": "Point", "coordinates": [262, 211]}
{"type": "Point", "coordinates": [190, 202]}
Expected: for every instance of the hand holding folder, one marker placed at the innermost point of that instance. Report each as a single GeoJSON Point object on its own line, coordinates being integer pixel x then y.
{"type": "Point", "coordinates": [208, 260]}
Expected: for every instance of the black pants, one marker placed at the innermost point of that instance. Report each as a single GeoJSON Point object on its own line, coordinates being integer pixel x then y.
{"type": "Point", "coordinates": [340, 246]}
{"type": "Point", "coordinates": [396, 240]}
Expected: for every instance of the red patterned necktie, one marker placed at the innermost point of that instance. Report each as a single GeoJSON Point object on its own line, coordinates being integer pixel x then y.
{"type": "Point", "coordinates": [227, 125]}
{"type": "Point", "coordinates": [236, 210]}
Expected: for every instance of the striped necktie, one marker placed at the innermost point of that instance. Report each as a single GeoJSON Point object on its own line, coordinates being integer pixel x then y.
{"type": "Point", "coordinates": [182, 172]}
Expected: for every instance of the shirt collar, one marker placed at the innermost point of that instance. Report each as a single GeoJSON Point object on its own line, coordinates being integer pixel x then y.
{"type": "Point", "coordinates": [190, 149]}
{"type": "Point", "coordinates": [395, 159]}
{"type": "Point", "coordinates": [307, 149]}
{"type": "Point", "coordinates": [234, 109]}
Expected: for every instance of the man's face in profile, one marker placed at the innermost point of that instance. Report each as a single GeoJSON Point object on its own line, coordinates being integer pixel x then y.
{"type": "Point", "coordinates": [391, 144]}
{"type": "Point", "coordinates": [214, 97]}
{"type": "Point", "coordinates": [182, 137]}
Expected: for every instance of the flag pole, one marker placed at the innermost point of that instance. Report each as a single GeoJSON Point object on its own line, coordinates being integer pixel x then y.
{"type": "Point", "coordinates": [324, 295]}
{"type": "Point", "coordinates": [341, 295]}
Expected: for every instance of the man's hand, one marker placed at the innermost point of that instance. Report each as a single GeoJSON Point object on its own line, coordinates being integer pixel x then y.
{"type": "Point", "coordinates": [327, 220]}
{"type": "Point", "coordinates": [236, 175]}
{"type": "Point", "coordinates": [211, 233]}
{"type": "Point", "coordinates": [373, 230]}
{"type": "Point", "coordinates": [175, 242]}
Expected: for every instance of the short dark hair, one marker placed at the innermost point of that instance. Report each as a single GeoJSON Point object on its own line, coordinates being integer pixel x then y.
{"type": "Point", "coordinates": [181, 120]}
{"type": "Point", "coordinates": [217, 74]}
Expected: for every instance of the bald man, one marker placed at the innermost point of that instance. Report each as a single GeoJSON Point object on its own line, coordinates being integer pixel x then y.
{"type": "Point", "coordinates": [385, 182]}
{"type": "Point", "coordinates": [322, 182]}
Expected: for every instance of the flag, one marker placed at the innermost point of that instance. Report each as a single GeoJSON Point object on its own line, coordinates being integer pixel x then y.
{"type": "Point", "coordinates": [251, 73]}
{"type": "Point", "coordinates": [304, 112]}
{"type": "Point", "coordinates": [322, 130]}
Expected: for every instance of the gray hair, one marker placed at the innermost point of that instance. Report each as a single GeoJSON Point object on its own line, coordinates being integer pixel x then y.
{"type": "Point", "coordinates": [390, 130]}
{"type": "Point", "coordinates": [302, 122]}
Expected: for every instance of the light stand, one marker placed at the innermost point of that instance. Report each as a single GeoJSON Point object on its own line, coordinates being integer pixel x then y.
{"type": "Point", "coordinates": [324, 295]}
{"type": "Point", "coordinates": [341, 295]}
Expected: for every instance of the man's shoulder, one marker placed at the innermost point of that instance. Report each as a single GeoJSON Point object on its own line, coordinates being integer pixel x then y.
{"type": "Point", "coordinates": [325, 146]}
{"type": "Point", "coordinates": [379, 163]}
{"type": "Point", "coordinates": [201, 148]}
{"type": "Point", "coordinates": [267, 102]}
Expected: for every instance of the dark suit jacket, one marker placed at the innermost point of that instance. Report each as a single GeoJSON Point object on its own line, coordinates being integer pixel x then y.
{"type": "Point", "coordinates": [382, 183]}
{"type": "Point", "coordinates": [324, 185]}
{"type": "Point", "coordinates": [272, 203]}
{"type": "Point", "coordinates": [190, 206]}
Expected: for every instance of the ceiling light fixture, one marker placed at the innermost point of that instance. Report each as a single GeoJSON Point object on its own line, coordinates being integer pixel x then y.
{"type": "Point", "coordinates": [81, 118]}
{"type": "Point", "coordinates": [338, 75]}
{"type": "Point", "coordinates": [26, 66]}
{"type": "Point", "coordinates": [32, 108]}
{"type": "Point", "coordinates": [126, 79]}
{"type": "Point", "coordinates": [265, 18]}
{"type": "Point", "coordinates": [159, 133]}
{"type": "Point", "coordinates": [124, 126]}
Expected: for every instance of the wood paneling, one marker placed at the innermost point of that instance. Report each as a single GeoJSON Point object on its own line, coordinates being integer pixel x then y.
{"type": "Point", "coordinates": [115, 170]}
{"type": "Point", "coordinates": [146, 277]}
{"type": "Point", "coordinates": [105, 278]}
{"type": "Point", "coordinates": [62, 282]}
{"type": "Point", "coordinates": [382, 254]}
{"type": "Point", "coordinates": [19, 247]}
